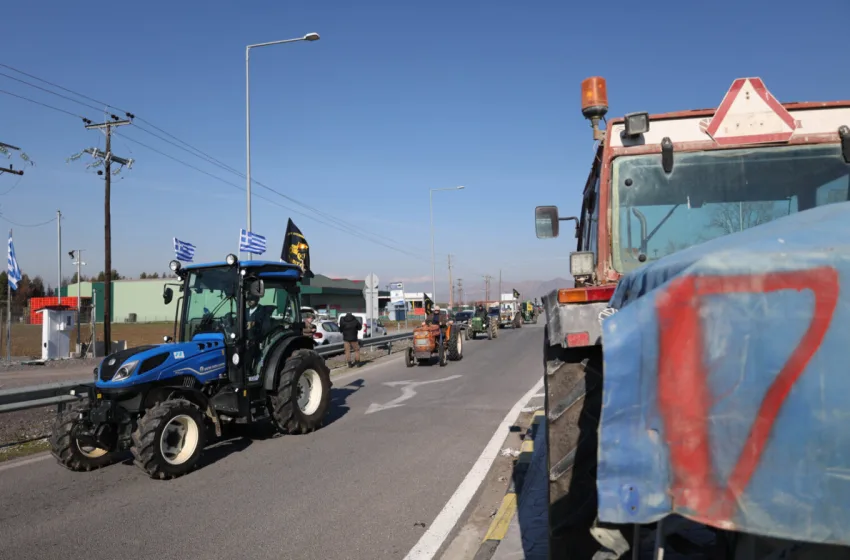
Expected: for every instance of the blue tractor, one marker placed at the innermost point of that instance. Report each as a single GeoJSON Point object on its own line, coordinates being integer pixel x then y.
{"type": "Point", "coordinates": [238, 355]}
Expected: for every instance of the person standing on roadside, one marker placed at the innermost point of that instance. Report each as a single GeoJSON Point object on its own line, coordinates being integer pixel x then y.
{"type": "Point", "coordinates": [350, 326]}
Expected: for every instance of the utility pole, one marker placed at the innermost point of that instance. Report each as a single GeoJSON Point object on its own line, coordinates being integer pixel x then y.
{"type": "Point", "coordinates": [460, 290]}
{"type": "Point", "coordinates": [59, 254]}
{"type": "Point", "coordinates": [487, 288]}
{"type": "Point", "coordinates": [9, 169]}
{"type": "Point", "coordinates": [500, 286]}
{"type": "Point", "coordinates": [108, 158]}
{"type": "Point", "coordinates": [451, 285]}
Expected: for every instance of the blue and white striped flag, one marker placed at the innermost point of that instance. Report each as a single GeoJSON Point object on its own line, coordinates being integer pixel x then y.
{"type": "Point", "coordinates": [184, 251]}
{"type": "Point", "coordinates": [250, 242]}
{"type": "Point", "coordinates": [12, 269]}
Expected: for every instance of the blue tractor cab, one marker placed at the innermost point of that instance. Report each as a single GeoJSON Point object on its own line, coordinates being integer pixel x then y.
{"type": "Point", "coordinates": [238, 354]}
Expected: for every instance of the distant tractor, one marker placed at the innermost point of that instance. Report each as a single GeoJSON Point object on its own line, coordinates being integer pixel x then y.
{"type": "Point", "coordinates": [529, 312]}
{"type": "Point", "coordinates": [444, 342]}
{"type": "Point", "coordinates": [240, 357]}
{"type": "Point", "coordinates": [482, 325]}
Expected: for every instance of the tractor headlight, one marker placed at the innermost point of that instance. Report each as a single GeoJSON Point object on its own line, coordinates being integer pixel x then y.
{"type": "Point", "coordinates": [125, 371]}
{"type": "Point", "coordinates": [231, 259]}
{"type": "Point", "coordinates": [174, 266]}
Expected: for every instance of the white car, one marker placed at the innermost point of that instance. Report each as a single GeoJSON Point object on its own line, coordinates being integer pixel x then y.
{"type": "Point", "coordinates": [375, 327]}
{"type": "Point", "coordinates": [327, 332]}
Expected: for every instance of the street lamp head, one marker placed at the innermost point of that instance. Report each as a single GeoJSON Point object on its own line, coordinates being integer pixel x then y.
{"type": "Point", "coordinates": [311, 37]}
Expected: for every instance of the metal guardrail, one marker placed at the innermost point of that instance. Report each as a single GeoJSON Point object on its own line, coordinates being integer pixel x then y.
{"type": "Point", "coordinates": [48, 394]}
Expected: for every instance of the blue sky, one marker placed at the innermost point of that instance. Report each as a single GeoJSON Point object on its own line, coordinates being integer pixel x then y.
{"type": "Point", "coordinates": [396, 98]}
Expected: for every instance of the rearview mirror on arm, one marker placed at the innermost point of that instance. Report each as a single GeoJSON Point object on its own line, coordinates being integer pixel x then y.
{"type": "Point", "coordinates": [546, 222]}
{"type": "Point", "coordinates": [167, 295]}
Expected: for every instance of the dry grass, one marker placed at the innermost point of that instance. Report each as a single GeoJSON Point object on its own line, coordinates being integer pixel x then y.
{"type": "Point", "coordinates": [26, 339]}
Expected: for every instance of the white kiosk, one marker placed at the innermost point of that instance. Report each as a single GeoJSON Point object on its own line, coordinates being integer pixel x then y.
{"type": "Point", "coordinates": [56, 325]}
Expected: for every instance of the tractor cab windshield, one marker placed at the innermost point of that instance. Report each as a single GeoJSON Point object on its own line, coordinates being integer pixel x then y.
{"type": "Point", "coordinates": [211, 303]}
{"type": "Point", "coordinates": [212, 300]}
{"type": "Point", "coordinates": [713, 193]}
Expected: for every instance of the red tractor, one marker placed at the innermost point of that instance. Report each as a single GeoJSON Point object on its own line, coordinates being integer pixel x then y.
{"type": "Point", "coordinates": [441, 341]}
{"type": "Point", "coordinates": [663, 192]}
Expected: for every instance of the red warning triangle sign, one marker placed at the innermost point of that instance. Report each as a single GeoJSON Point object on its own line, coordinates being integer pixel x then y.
{"type": "Point", "coordinates": [749, 114]}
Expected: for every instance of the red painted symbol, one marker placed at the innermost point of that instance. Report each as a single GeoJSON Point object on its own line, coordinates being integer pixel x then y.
{"type": "Point", "coordinates": [749, 114]}
{"type": "Point", "coordinates": [684, 397]}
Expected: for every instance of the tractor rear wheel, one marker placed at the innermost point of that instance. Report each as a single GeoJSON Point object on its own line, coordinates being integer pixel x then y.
{"type": "Point", "coordinates": [70, 453]}
{"type": "Point", "coordinates": [493, 331]}
{"type": "Point", "coordinates": [169, 439]}
{"type": "Point", "coordinates": [455, 343]}
{"type": "Point", "coordinates": [573, 388]}
{"type": "Point", "coordinates": [303, 393]}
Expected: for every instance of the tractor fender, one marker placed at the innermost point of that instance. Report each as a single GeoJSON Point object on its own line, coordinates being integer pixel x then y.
{"type": "Point", "coordinates": [191, 394]}
{"type": "Point", "coordinates": [283, 348]}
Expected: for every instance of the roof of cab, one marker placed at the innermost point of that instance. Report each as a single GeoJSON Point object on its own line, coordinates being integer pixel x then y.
{"type": "Point", "coordinates": [269, 268]}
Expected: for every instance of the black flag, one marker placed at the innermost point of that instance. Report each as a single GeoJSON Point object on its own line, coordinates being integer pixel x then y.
{"type": "Point", "coordinates": [429, 306]}
{"type": "Point", "coordinates": [295, 249]}
{"type": "Point", "coordinates": [516, 294]}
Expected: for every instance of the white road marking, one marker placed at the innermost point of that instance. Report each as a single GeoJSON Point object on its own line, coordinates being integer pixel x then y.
{"type": "Point", "coordinates": [25, 462]}
{"type": "Point", "coordinates": [433, 538]}
{"type": "Point", "coordinates": [408, 391]}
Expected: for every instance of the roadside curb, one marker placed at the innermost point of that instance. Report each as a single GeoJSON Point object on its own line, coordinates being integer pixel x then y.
{"type": "Point", "coordinates": [508, 508]}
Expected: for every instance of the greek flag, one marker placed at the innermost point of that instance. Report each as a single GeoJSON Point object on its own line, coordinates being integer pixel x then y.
{"type": "Point", "coordinates": [184, 251]}
{"type": "Point", "coordinates": [13, 271]}
{"type": "Point", "coordinates": [250, 242]}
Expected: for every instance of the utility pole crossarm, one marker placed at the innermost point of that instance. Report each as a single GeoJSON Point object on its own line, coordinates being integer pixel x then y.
{"type": "Point", "coordinates": [4, 147]}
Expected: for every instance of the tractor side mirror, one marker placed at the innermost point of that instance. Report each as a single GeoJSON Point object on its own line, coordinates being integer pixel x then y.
{"type": "Point", "coordinates": [256, 288]}
{"type": "Point", "coordinates": [167, 295]}
{"type": "Point", "coordinates": [546, 222]}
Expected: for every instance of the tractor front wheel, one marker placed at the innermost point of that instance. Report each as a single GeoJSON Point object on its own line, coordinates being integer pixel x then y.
{"type": "Point", "coordinates": [441, 355]}
{"type": "Point", "coordinates": [169, 439]}
{"type": "Point", "coordinates": [303, 394]}
{"type": "Point", "coordinates": [70, 453]}
{"type": "Point", "coordinates": [409, 360]}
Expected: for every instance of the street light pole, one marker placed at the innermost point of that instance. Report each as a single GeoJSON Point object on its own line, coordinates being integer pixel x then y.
{"type": "Point", "coordinates": [307, 37]}
{"type": "Point", "coordinates": [433, 261]}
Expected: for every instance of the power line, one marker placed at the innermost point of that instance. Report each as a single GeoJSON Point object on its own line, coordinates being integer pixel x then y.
{"type": "Point", "coordinates": [42, 104]}
{"type": "Point", "coordinates": [234, 185]}
{"type": "Point", "coordinates": [5, 219]}
{"type": "Point", "coordinates": [341, 225]}
{"type": "Point", "coordinates": [51, 92]}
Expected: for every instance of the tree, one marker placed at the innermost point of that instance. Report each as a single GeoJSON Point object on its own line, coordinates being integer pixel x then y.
{"type": "Point", "coordinates": [143, 275]}
{"type": "Point", "coordinates": [101, 276]}
{"type": "Point", "coordinates": [738, 216]}
{"type": "Point", "coordinates": [154, 275]}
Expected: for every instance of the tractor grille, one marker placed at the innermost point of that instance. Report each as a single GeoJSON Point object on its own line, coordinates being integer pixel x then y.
{"type": "Point", "coordinates": [112, 362]}
{"type": "Point", "coordinates": [423, 342]}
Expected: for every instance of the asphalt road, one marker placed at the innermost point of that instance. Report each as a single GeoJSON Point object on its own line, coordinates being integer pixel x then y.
{"type": "Point", "coordinates": [366, 486]}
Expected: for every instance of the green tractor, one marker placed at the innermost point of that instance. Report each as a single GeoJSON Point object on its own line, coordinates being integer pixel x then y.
{"type": "Point", "coordinates": [529, 312]}
{"type": "Point", "coordinates": [485, 325]}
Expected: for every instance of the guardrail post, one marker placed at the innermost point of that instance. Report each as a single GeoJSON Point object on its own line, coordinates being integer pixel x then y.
{"type": "Point", "coordinates": [389, 347]}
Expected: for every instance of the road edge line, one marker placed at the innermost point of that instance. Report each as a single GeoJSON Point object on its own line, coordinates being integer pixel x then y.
{"type": "Point", "coordinates": [432, 540]}
{"type": "Point", "coordinates": [508, 509]}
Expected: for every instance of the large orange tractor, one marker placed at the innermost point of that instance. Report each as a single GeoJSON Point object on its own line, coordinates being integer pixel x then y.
{"type": "Point", "coordinates": [441, 341]}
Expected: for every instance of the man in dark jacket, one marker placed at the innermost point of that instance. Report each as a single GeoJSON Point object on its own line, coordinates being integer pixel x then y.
{"type": "Point", "coordinates": [350, 326]}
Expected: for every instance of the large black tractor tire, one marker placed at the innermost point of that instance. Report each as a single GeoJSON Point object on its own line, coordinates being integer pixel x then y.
{"type": "Point", "coordinates": [573, 387]}
{"type": "Point", "coordinates": [69, 452]}
{"type": "Point", "coordinates": [409, 359]}
{"type": "Point", "coordinates": [455, 343]}
{"type": "Point", "coordinates": [493, 329]}
{"type": "Point", "coordinates": [169, 439]}
{"type": "Point", "coordinates": [517, 321]}
{"type": "Point", "coordinates": [304, 394]}
{"type": "Point", "coordinates": [441, 355]}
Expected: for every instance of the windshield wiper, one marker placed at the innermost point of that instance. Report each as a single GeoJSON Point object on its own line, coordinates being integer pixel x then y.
{"type": "Point", "coordinates": [644, 238]}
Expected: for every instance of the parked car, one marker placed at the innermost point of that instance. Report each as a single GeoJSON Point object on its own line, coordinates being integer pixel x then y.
{"type": "Point", "coordinates": [375, 327]}
{"type": "Point", "coordinates": [327, 332]}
